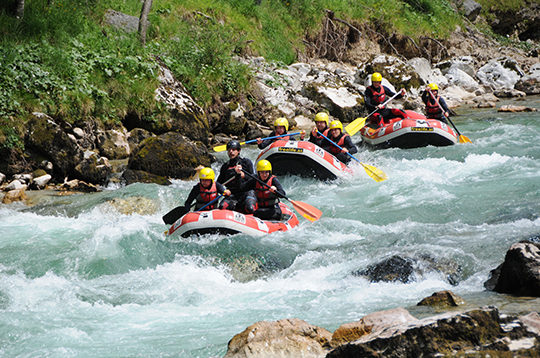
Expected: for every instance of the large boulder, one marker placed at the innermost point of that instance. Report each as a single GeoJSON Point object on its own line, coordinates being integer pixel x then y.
{"type": "Point", "coordinates": [13, 161]}
{"type": "Point", "coordinates": [466, 332]}
{"type": "Point", "coordinates": [399, 73]}
{"type": "Point", "coordinates": [499, 74]}
{"type": "Point", "coordinates": [373, 322]}
{"type": "Point", "coordinates": [408, 269]}
{"type": "Point", "coordinates": [169, 155]}
{"type": "Point", "coordinates": [185, 115]}
{"type": "Point", "coordinates": [530, 83]}
{"type": "Point", "coordinates": [113, 143]}
{"type": "Point", "coordinates": [93, 168]}
{"type": "Point", "coordinates": [519, 274]}
{"type": "Point", "coordinates": [286, 338]}
{"type": "Point", "coordinates": [47, 138]}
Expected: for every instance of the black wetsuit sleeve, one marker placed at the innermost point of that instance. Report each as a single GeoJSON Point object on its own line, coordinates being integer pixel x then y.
{"type": "Point", "coordinates": [192, 196]}
{"type": "Point", "coordinates": [347, 143]}
{"type": "Point", "coordinates": [220, 188]}
{"type": "Point", "coordinates": [368, 98]}
{"type": "Point", "coordinates": [266, 142]}
{"type": "Point", "coordinates": [443, 104]}
{"type": "Point", "coordinates": [279, 187]}
{"type": "Point", "coordinates": [222, 178]}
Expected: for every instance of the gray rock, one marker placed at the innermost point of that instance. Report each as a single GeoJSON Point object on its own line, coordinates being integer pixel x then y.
{"type": "Point", "coordinates": [519, 274]}
{"type": "Point", "coordinates": [471, 9]}
{"type": "Point", "coordinates": [121, 21]}
{"type": "Point", "coordinates": [42, 181]}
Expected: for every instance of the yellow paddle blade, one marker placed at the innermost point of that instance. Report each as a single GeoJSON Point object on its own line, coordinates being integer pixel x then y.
{"type": "Point", "coordinates": [355, 125]}
{"type": "Point", "coordinates": [221, 148]}
{"type": "Point", "coordinates": [309, 212]}
{"type": "Point", "coordinates": [374, 172]}
{"type": "Point", "coordinates": [464, 139]}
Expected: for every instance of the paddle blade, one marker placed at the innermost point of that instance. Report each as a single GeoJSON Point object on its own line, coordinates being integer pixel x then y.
{"type": "Point", "coordinates": [355, 125]}
{"type": "Point", "coordinates": [222, 148]}
{"type": "Point", "coordinates": [464, 139]}
{"type": "Point", "coordinates": [175, 214]}
{"type": "Point", "coordinates": [374, 172]}
{"type": "Point", "coordinates": [309, 212]}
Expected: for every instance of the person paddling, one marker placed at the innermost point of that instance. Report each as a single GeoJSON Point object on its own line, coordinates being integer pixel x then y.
{"type": "Point", "coordinates": [321, 126]}
{"type": "Point", "coordinates": [430, 97]}
{"type": "Point", "coordinates": [281, 126]}
{"type": "Point", "coordinates": [267, 200]}
{"type": "Point", "coordinates": [239, 200]}
{"type": "Point", "coordinates": [206, 191]}
{"type": "Point", "coordinates": [375, 96]}
{"type": "Point", "coordinates": [343, 140]}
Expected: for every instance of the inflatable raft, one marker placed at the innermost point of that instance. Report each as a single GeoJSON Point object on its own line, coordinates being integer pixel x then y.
{"type": "Point", "coordinates": [412, 132]}
{"type": "Point", "coordinates": [231, 222]}
{"type": "Point", "coordinates": [304, 159]}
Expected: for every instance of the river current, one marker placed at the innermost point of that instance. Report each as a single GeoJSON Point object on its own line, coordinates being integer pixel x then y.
{"type": "Point", "coordinates": [79, 278]}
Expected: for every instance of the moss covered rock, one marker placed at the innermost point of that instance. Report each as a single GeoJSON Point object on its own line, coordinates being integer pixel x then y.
{"type": "Point", "coordinates": [169, 155]}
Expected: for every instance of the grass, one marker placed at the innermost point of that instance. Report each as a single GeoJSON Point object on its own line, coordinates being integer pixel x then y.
{"type": "Point", "coordinates": [62, 60]}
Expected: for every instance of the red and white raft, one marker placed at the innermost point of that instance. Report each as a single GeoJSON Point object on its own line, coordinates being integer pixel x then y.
{"type": "Point", "coordinates": [412, 132]}
{"type": "Point", "coordinates": [231, 222]}
{"type": "Point", "coordinates": [304, 159]}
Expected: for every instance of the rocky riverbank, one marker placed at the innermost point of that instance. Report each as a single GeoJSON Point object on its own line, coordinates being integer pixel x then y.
{"type": "Point", "coordinates": [476, 72]}
{"type": "Point", "coordinates": [473, 332]}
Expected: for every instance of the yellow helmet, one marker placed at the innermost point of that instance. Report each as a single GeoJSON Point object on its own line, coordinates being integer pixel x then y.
{"type": "Point", "coordinates": [207, 173]}
{"type": "Point", "coordinates": [264, 166]}
{"type": "Point", "coordinates": [321, 117]}
{"type": "Point", "coordinates": [376, 77]}
{"type": "Point", "coordinates": [433, 87]}
{"type": "Point", "coordinates": [336, 124]}
{"type": "Point", "coordinates": [282, 122]}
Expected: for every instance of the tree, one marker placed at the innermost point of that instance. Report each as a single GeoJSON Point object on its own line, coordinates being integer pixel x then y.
{"type": "Point", "coordinates": [19, 10]}
{"type": "Point", "coordinates": [143, 20]}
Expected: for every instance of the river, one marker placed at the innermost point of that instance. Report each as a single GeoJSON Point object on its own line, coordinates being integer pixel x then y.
{"type": "Point", "coordinates": [80, 279]}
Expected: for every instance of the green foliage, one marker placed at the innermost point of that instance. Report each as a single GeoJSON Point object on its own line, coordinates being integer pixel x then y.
{"type": "Point", "coordinates": [63, 60]}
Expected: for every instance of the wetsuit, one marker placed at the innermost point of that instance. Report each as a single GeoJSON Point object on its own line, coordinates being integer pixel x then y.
{"type": "Point", "coordinates": [239, 200]}
{"type": "Point", "coordinates": [318, 139]}
{"type": "Point", "coordinates": [267, 202]}
{"type": "Point", "coordinates": [433, 110]}
{"type": "Point", "coordinates": [374, 97]}
{"type": "Point", "coordinates": [344, 141]}
{"type": "Point", "coordinates": [266, 142]}
{"type": "Point", "coordinates": [203, 196]}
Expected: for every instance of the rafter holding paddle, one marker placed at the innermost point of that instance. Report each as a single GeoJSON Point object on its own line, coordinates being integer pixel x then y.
{"type": "Point", "coordinates": [359, 123]}
{"type": "Point", "coordinates": [176, 213]}
{"type": "Point", "coordinates": [307, 211]}
{"type": "Point", "coordinates": [221, 148]}
{"type": "Point", "coordinates": [374, 172]}
{"type": "Point", "coordinates": [462, 138]}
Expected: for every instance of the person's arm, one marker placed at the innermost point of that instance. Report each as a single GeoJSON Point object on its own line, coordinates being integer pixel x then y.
{"type": "Point", "coordinates": [279, 187]}
{"type": "Point", "coordinates": [222, 174]}
{"type": "Point", "coordinates": [368, 99]}
{"type": "Point", "coordinates": [248, 184]}
{"type": "Point", "coordinates": [347, 143]}
{"type": "Point", "coordinates": [389, 93]}
{"type": "Point", "coordinates": [247, 165]}
{"type": "Point", "coordinates": [425, 96]}
{"type": "Point", "coordinates": [192, 195]}
{"type": "Point", "coordinates": [444, 106]}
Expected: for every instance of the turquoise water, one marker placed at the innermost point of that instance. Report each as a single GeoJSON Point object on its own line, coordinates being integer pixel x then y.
{"type": "Point", "coordinates": [78, 278]}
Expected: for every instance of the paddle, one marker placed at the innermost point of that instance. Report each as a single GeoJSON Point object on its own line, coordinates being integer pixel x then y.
{"type": "Point", "coordinates": [462, 138]}
{"type": "Point", "coordinates": [179, 211]}
{"type": "Point", "coordinates": [221, 148]}
{"type": "Point", "coordinates": [358, 123]}
{"type": "Point", "coordinates": [309, 212]}
{"type": "Point", "coordinates": [374, 172]}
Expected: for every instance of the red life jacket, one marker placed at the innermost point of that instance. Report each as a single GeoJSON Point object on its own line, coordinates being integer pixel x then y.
{"type": "Point", "coordinates": [378, 96]}
{"type": "Point", "coordinates": [265, 198]}
{"type": "Point", "coordinates": [340, 142]}
{"type": "Point", "coordinates": [205, 196]}
{"type": "Point", "coordinates": [433, 110]}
